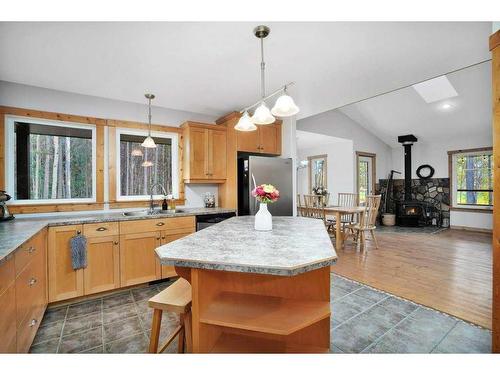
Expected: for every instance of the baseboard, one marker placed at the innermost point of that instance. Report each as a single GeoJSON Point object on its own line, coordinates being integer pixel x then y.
{"type": "Point", "coordinates": [472, 229]}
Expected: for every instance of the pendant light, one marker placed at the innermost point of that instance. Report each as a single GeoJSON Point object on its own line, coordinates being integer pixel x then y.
{"type": "Point", "coordinates": [245, 124]}
{"type": "Point", "coordinates": [285, 106]}
{"type": "Point", "coordinates": [136, 152]}
{"type": "Point", "coordinates": [147, 163]}
{"type": "Point", "coordinates": [149, 141]}
{"type": "Point", "coordinates": [262, 115]}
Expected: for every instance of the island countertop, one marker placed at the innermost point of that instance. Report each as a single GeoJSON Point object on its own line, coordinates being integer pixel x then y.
{"type": "Point", "coordinates": [294, 246]}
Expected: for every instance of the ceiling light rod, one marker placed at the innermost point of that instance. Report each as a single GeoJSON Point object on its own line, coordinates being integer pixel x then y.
{"type": "Point", "coordinates": [282, 88]}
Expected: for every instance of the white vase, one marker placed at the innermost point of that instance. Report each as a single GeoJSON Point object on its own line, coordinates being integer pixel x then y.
{"type": "Point", "coordinates": [263, 218]}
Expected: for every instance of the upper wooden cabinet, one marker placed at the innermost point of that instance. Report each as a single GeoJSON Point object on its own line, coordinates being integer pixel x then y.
{"type": "Point", "coordinates": [204, 153]}
{"type": "Point", "coordinates": [265, 140]}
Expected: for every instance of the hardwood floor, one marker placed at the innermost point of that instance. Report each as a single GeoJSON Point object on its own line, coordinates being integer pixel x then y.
{"type": "Point", "coordinates": [450, 271]}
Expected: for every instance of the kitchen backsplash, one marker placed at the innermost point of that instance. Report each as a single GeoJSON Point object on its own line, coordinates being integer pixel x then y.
{"type": "Point", "coordinates": [194, 194]}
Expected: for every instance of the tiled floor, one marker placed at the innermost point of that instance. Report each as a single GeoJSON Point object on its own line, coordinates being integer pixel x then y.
{"type": "Point", "coordinates": [364, 320]}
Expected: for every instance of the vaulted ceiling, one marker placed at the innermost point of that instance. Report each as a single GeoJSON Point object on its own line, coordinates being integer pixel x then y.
{"type": "Point", "coordinates": [213, 68]}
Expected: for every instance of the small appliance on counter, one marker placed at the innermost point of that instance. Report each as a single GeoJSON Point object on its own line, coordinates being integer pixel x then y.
{"type": "Point", "coordinates": [209, 199]}
{"type": "Point", "coordinates": [4, 211]}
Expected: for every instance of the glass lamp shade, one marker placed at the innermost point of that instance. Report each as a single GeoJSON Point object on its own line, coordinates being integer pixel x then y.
{"type": "Point", "coordinates": [284, 107]}
{"type": "Point", "coordinates": [262, 115]}
{"type": "Point", "coordinates": [149, 142]}
{"type": "Point", "coordinates": [147, 163]}
{"type": "Point", "coordinates": [136, 152]}
{"type": "Point", "coordinates": [245, 124]}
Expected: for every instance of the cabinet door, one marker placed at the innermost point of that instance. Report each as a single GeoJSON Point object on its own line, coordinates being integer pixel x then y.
{"type": "Point", "coordinates": [270, 139]}
{"type": "Point", "coordinates": [198, 153]}
{"type": "Point", "coordinates": [64, 281]}
{"type": "Point", "coordinates": [7, 307]}
{"type": "Point", "coordinates": [103, 264]}
{"type": "Point", "coordinates": [217, 154]}
{"type": "Point", "coordinates": [138, 261]}
{"type": "Point", "coordinates": [248, 141]}
{"type": "Point", "coordinates": [169, 271]}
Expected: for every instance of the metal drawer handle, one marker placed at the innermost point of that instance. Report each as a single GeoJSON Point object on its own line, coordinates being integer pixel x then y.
{"type": "Point", "coordinates": [78, 232]}
{"type": "Point", "coordinates": [158, 237]}
{"type": "Point", "coordinates": [160, 224]}
{"type": "Point", "coordinates": [31, 249]}
{"type": "Point", "coordinates": [32, 281]}
{"type": "Point", "coordinates": [101, 229]}
{"type": "Point", "coordinates": [33, 322]}
{"type": "Point", "coordinates": [116, 242]}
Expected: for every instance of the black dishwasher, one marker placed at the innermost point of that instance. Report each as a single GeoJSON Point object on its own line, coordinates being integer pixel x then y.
{"type": "Point", "coordinates": [205, 221]}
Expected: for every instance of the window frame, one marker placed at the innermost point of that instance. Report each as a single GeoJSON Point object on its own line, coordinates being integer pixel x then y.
{"type": "Point", "coordinates": [10, 162]}
{"type": "Point", "coordinates": [175, 163]}
{"type": "Point", "coordinates": [452, 157]}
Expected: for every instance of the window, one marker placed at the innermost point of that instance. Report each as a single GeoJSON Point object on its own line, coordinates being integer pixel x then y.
{"type": "Point", "coordinates": [54, 161]}
{"type": "Point", "coordinates": [317, 173]}
{"type": "Point", "coordinates": [134, 177]}
{"type": "Point", "coordinates": [366, 174]}
{"type": "Point", "coordinates": [472, 179]}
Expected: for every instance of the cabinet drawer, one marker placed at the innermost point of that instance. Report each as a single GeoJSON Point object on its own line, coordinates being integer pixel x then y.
{"type": "Point", "coordinates": [7, 319]}
{"type": "Point", "coordinates": [27, 329]}
{"type": "Point", "coordinates": [101, 229]}
{"type": "Point", "coordinates": [30, 288]}
{"type": "Point", "coordinates": [7, 274]}
{"type": "Point", "coordinates": [26, 252]}
{"type": "Point", "coordinates": [153, 225]}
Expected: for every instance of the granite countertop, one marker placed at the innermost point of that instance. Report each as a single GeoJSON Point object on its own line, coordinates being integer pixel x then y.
{"type": "Point", "coordinates": [295, 245]}
{"type": "Point", "coordinates": [15, 232]}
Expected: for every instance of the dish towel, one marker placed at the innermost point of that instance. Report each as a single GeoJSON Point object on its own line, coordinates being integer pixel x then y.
{"type": "Point", "coordinates": [79, 252]}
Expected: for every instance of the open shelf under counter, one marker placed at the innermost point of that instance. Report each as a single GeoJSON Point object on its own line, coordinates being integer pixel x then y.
{"type": "Point", "coordinates": [266, 314]}
{"type": "Point", "coordinates": [230, 343]}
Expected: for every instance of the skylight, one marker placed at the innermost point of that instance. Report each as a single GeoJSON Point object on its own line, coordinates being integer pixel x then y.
{"type": "Point", "coordinates": [435, 89]}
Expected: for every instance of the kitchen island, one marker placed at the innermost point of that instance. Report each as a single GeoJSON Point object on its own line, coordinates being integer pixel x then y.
{"type": "Point", "coordinates": [257, 292]}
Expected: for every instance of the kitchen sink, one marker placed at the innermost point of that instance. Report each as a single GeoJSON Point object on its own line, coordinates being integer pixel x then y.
{"type": "Point", "coordinates": [155, 212]}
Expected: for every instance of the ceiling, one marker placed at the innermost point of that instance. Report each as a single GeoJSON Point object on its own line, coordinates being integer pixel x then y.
{"type": "Point", "coordinates": [310, 140]}
{"type": "Point", "coordinates": [213, 68]}
{"type": "Point", "coordinates": [405, 111]}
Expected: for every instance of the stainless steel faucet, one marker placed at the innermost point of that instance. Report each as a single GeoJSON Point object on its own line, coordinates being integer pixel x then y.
{"type": "Point", "coordinates": [151, 202]}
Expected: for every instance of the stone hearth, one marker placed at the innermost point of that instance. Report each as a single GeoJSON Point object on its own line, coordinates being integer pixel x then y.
{"type": "Point", "coordinates": [435, 191]}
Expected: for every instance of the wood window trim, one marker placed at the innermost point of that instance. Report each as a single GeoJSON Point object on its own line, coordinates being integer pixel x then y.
{"type": "Point", "coordinates": [310, 159]}
{"type": "Point", "coordinates": [374, 168]}
{"type": "Point", "coordinates": [450, 176]}
{"type": "Point", "coordinates": [101, 125]}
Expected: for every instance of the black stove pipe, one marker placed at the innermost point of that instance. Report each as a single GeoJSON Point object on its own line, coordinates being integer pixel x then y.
{"type": "Point", "coordinates": [407, 141]}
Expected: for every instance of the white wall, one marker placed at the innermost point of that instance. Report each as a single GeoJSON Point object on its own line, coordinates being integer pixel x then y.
{"type": "Point", "coordinates": [340, 175]}
{"type": "Point", "coordinates": [435, 154]}
{"type": "Point", "coordinates": [336, 124]}
{"type": "Point", "coordinates": [30, 97]}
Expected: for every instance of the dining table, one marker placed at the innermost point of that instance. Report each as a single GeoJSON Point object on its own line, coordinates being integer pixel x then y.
{"type": "Point", "coordinates": [338, 211]}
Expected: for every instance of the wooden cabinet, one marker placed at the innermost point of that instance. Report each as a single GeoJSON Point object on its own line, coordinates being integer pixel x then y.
{"type": "Point", "coordinates": [138, 263]}
{"type": "Point", "coordinates": [204, 153]}
{"type": "Point", "coordinates": [23, 295]}
{"type": "Point", "coordinates": [265, 140]}
{"type": "Point", "coordinates": [8, 307]}
{"type": "Point", "coordinates": [64, 281]}
{"type": "Point", "coordinates": [103, 264]}
{"type": "Point", "coordinates": [169, 271]}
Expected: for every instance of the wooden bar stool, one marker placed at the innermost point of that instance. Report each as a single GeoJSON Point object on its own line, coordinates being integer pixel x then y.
{"type": "Point", "coordinates": [176, 298]}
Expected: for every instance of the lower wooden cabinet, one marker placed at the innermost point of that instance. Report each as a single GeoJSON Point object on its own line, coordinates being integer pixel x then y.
{"type": "Point", "coordinates": [103, 264]}
{"type": "Point", "coordinates": [64, 281]}
{"type": "Point", "coordinates": [169, 271]}
{"type": "Point", "coordinates": [138, 262]}
{"type": "Point", "coordinates": [23, 295]}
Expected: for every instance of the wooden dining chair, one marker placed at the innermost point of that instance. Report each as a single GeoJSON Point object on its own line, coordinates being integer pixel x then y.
{"type": "Point", "coordinates": [319, 213]}
{"type": "Point", "coordinates": [310, 200]}
{"type": "Point", "coordinates": [347, 200]}
{"type": "Point", "coordinates": [367, 221]}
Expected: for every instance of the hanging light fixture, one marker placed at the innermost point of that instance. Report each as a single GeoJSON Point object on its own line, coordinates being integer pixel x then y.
{"type": "Point", "coordinates": [245, 124]}
{"type": "Point", "coordinates": [147, 163]}
{"type": "Point", "coordinates": [149, 141]}
{"type": "Point", "coordinates": [136, 152]}
{"type": "Point", "coordinates": [283, 107]}
{"type": "Point", "coordinates": [262, 115]}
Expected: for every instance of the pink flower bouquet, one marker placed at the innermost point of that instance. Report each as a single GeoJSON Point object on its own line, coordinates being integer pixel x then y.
{"type": "Point", "coordinates": [266, 193]}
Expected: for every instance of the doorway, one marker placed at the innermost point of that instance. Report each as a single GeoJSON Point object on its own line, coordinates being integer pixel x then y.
{"type": "Point", "coordinates": [365, 174]}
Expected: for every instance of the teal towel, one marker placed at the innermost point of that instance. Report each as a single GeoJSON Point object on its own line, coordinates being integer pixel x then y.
{"type": "Point", "coordinates": [79, 252]}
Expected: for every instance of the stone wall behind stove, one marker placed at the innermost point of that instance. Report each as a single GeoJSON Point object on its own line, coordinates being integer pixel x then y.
{"type": "Point", "coordinates": [435, 191]}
